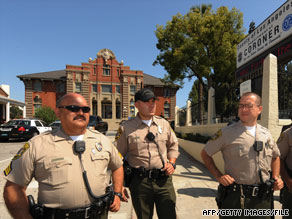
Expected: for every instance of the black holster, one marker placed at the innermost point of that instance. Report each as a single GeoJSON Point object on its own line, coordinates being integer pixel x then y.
{"type": "Point", "coordinates": [36, 210]}
{"type": "Point", "coordinates": [127, 173]}
{"type": "Point", "coordinates": [266, 189]}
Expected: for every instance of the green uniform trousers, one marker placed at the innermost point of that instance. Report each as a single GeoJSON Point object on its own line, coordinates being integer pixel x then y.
{"type": "Point", "coordinates": [286, 200]}
{"type": "Point", "coordinates": [232, 201]}
{"type": "Point", "coordinates": [145, 193]}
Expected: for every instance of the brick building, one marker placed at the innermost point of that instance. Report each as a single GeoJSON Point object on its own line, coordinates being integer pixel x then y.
{"type": "Point", "coordinates": [106, 84]}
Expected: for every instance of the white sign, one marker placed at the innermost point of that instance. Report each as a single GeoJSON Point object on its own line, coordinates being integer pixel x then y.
{"type": "Point", "coordinates": [245, 87]}
{"type": "Point", "coordinates": [274, 29]}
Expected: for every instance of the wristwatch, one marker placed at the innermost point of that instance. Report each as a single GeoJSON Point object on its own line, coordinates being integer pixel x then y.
{"type": "Point", "coordinates": [173, 164]}
{"type": "Point", "coordinates": [119, 195]}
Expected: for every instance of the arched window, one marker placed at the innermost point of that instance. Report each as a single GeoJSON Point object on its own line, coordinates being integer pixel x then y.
{"type": "Point", "coordinates": [106, 109]}
{"type": "Point", "coordinates": [106, 70]}
{"type": "Point", "coordinates": [37, 102]}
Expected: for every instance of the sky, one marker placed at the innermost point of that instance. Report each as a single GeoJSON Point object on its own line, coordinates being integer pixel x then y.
{"type": "Point", "coordinates": [45, 35]}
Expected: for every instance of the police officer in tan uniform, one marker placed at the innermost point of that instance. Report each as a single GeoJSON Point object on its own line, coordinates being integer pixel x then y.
{"type": "Point", "coordinates": [58, 160]}
{"type": "Point", "coordinates": [150, 147]}
{"type": "Point", "coordinates": [285, 147]}
{"type": "Point", "coordinates": [250, 155]}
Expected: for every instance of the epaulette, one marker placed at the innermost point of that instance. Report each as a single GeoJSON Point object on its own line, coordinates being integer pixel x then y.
{"type": "Point", "coordinates": [43, 134]}
{"type": "Point", "coordinates": [158, 117]}
{"type": "Point", "coordinates": [127, 121]}
{"type": "Point", "coordinates": [264, 128]}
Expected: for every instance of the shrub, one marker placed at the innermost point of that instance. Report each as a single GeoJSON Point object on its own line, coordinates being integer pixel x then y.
{"type": "Point", "coordinates": [46, 114]}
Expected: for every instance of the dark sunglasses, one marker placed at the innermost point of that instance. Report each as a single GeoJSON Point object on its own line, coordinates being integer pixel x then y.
{"type": "Point", "coordinates": [75, 109]}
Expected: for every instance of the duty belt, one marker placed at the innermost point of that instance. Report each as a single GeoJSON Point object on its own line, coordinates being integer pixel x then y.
{"type": "Point", "coordinates": [150, 174]}
{"type": "Point", "coordinates": [248, 190]}
{"type": "Point", "coordinates": [90, 212]}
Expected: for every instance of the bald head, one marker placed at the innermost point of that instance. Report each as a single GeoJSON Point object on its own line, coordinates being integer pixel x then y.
{"type": "Point", "coordinates": [74, 118]}
{"type": "Point", "coordinates": [69, 98]}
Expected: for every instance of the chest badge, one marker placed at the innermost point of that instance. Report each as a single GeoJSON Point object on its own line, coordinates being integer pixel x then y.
{"type": "Point", "coordinates": [98, 146]}
{"type": "Point", "coordinates": [159, 130]}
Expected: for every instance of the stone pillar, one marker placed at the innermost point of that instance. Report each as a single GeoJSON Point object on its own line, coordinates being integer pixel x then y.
{"type": "Point", "coordinates": [114, 107]}
{"type": "Point", "coordinates": [69, 82]}
{"type": "Point", "coordinates": [85, 86]}
{"type": "Point", "coordinates": [176, 118]}
{"type": "Point", "coordinates": [270, 113]}
{"type": "Point", "coordinates": [211, 106]}
{"type": "Point", "coordinates": [24, 112]}
{"type": "Point", "coordinates": [99, 105]}
{"type": "Point", "coordinates": [189, 114]}
{"type": "Point", "coordinates": [28, 97]}
{"type": "Point", "coordinates": [7, 111]}
{"type": "Point", "coordinates": [125, 98]}
{"type": "Point", "coordinates": [172, 103]}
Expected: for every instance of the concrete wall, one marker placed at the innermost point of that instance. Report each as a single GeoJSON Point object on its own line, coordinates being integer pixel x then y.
{"type": "Point", "coordinates": [194, 149]}
{"type": "Point", "coordinates": [206, 130]}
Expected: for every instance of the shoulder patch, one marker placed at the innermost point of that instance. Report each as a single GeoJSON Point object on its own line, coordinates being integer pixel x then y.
{"type": "Point", "coordinates": [8, 169]}
{"type": "Point", "coordinates": [21, 151]}
{"type": "Point", "coordinates": [217, 135]}
{"type": "Point", "coordinates": [119, 133]}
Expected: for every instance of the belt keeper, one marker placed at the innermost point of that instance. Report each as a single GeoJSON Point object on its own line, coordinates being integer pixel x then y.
{"type": "Point", "coordinates": [86, 213]}
{"type": "Point", "coordinates": [241, 197]}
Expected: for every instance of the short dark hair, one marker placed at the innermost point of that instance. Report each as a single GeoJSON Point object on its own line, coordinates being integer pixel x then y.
{"type": "Point", "coordinates": [258, 98]}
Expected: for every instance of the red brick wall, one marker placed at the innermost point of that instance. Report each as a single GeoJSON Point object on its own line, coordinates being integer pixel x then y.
{"type": "Point", "coordinates": [48, 94]}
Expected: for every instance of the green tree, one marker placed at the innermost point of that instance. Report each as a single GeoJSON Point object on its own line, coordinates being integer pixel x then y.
{"type": "Point", "coordinates": [15, 112]}
{"type": "Point", "coordinates": [46, 114]}
{"type": "Point", "coordinates": [201, 44]}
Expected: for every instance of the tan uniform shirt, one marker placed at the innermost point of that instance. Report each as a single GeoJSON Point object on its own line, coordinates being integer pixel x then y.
{"type": "Point", "coordinates": [139, 151]}
{"type": "Point", "coordinates": [241, 161]}
{"type": "Point", "coordinates": [285, 147]}
{"type": "Point", "coordinates": [50, 159]}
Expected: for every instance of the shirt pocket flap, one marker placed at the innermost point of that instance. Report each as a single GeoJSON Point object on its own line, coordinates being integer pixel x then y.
{"type": "Point", "coordinates": [57, 162]}
{"type": "Point", "coordinates": [268, 152]}
{"type": "Point", "coordinates": [100, 156]}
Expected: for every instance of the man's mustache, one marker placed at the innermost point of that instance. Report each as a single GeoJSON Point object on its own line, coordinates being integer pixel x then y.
{"type": "Point", "coordinates": [79, 117]}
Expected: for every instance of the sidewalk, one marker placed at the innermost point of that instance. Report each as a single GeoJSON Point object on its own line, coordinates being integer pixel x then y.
{"type": "Point", "coordinates": [195, 189]}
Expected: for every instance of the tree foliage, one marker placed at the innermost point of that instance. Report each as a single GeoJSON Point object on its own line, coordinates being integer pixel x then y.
{"type": "Point", "coordinates": [201, 44]}
{"type": "Point", "coordinates": [15, 112]}
{"type": "Point", "coordinates": [46, 114]}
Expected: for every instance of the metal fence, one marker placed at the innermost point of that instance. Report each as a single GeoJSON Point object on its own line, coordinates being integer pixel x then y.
{"type": "Point", "coordinates": [285, 90]}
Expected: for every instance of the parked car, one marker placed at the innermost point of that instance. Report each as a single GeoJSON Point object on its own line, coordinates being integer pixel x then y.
{"type": "Point", "coordinates": [98, 124]}
{"type": "Point", "coordinates": [55, 125]}
{"type": "Point", "coordinates": [22, 128]}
